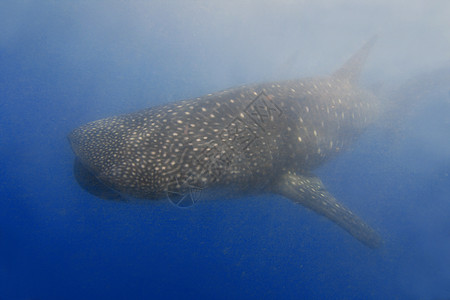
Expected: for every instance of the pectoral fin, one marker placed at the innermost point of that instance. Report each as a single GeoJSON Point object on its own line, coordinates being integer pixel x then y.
{"type": "Point", "coordinates": [310, 192]}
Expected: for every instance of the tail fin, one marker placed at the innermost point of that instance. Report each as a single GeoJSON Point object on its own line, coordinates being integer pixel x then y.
{"type": "Point", "coordinates": [401, 101]}
{"type": "Point", "coordinates": [352, 68]}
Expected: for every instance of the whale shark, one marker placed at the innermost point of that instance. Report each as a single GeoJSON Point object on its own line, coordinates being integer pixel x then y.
{"type": "Point", "coordinates": [243, 141]}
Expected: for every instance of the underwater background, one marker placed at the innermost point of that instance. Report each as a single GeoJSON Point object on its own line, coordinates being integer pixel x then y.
{"type": "Point", "coordinates": [65, 63]}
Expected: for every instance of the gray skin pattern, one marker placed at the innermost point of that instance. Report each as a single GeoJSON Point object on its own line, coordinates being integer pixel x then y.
{"type": "Point", "coordinates": [249, 140]}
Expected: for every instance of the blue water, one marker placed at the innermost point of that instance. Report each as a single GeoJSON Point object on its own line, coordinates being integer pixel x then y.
{"type": "Point", "coordinates": [64, 64]}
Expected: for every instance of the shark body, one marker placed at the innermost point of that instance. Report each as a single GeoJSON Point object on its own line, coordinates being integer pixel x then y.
{"type": "Point", "coordinates": [249, 140]}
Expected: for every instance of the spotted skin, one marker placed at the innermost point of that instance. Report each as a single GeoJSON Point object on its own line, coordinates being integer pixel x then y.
{"type": "Point", "coordinates": [243, 141]}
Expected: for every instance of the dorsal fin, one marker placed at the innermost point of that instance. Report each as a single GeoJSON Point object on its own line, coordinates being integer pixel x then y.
{"type": "Point", "coordinates": [352, 68]}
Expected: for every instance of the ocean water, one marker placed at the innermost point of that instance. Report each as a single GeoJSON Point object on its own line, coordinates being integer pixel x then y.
{"type": "Point", "coordinates": [63, 64]}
